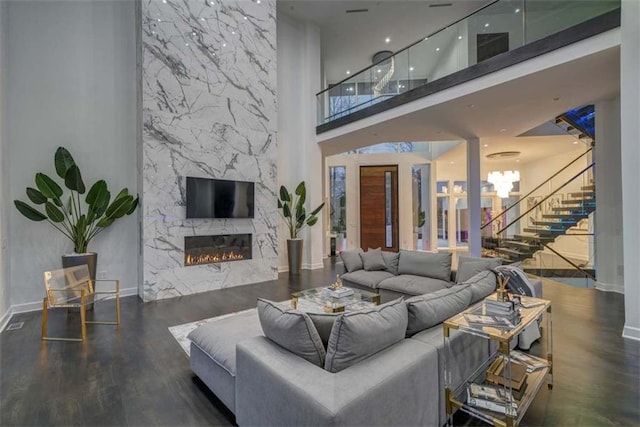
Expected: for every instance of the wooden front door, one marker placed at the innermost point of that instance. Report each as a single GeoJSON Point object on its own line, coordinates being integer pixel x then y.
{"type": "Point", "coordinates": [379, 207]}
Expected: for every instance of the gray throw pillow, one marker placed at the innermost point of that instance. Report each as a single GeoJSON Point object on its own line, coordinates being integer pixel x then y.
{"type": "Point", "coordinates": [360, 334]}
{"type": "Point", "coordinates": [352, 260]}
{"type": "Point", "coordinates": [428, 264]}
{"type": "Point", "coordinates": [293, 330]}
{"type": "Point", "coordinates": [323, 323]}
{"type": "Point", "coordinates": [469, 267]}
{"type": "Point", "coordinates": [426, 311]}
{"type": "Point", "coordinates": [391, 261]}
{"type": "Point", "coordinates": [482, 285]}
{"type": "Point", "coordinates": [372, 260]}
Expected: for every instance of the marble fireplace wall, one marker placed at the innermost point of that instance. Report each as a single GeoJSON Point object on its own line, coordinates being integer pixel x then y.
{"type": "Point", "coordinates": [208, 94]}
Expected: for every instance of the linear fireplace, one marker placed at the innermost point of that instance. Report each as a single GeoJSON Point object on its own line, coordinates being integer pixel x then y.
{"type": "Point", "coordinates": [214, 249]}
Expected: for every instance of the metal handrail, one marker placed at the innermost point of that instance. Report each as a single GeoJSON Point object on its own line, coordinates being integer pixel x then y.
{"type": "Point", "coordinates": [407, 47]}
{"type": "Point", "coordinates": [546, 197]}
{"type": "Point", "coordinates": [536, 189]}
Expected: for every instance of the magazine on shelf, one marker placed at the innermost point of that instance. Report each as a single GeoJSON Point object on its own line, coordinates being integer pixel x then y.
{"type": "Point", "coordinates": [490, 397]}
{"type": "Point", "coordinates": [532, 363]}
{"type": "Point", "coordinates": [492, 321]}
{"type": "Point", "coordinates": [338, 293]}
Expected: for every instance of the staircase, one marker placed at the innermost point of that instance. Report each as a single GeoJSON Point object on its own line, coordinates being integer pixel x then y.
{"type": "Point", "coordinates": [522, 247]}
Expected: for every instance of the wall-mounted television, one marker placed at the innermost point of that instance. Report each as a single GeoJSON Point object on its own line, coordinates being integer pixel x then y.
{"type": "Point", "coordinates": [219, 198]}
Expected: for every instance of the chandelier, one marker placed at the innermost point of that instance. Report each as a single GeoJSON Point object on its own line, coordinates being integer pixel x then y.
{"type": "Point", "coordinates": [503, 181]}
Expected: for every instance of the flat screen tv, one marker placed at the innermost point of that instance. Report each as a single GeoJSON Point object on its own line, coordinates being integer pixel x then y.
{"type": "Point", "coordinates": [218, 198]}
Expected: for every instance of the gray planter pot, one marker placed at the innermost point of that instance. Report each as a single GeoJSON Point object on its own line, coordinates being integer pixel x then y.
{"type": "Point", "coordinates": [91, 259]}
{"type": "Point", "coordinates": [294, 255]}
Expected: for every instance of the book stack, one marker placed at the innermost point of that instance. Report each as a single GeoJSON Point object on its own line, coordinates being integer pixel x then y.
{"type": "Point", "coordinates": [497, 375]}
{"type": "Point", "coordinates": [491, 397]}
{"type": "Point", "coordinates": [479, 321]}
{"type": "Point", "coordinates": [339, 292]}
{"type": "Point", "coordinates": [507, 309]}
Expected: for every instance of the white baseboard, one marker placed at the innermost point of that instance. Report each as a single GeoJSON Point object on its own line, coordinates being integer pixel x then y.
{"type": "Point", "coordinates": [283, 269]}
{"type": "Point", "coordinates": [631, 333]}
{"type": "Point", "coordinates": [608, 287]}
{"type": "Point", "coordinates": [37, 306]}
{"type": "Point", "coordinates": [313, 266]}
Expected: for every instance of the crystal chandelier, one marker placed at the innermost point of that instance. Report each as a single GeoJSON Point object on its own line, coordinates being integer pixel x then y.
{"type": "Point", "coordinates": [503, 181]}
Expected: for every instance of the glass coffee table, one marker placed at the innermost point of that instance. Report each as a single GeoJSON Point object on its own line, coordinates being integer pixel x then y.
{"type": "Point", "coordinates": [317, 301]}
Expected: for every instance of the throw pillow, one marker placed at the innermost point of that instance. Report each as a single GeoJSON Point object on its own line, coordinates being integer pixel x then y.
{"type": "Point", "coordinates": [391, 261]}
{"type": "Point", "coordinates": [431, 309]}
{"type": "Point", "coordinates": [323, 323]}
{"type": "Point", "coordinates": [360, 334]}
{"type": "Point", "coordinates": [372, 260]}
{"type": "Point", "coordinates": [428, 264]}
{"type": "Point", "coordinates": [293, 330]}
{"type": "Point", "coordinates": [482, 285]}
{"type": "Point", "coordinates": [469, 267]}
{"type": "Point", "coordinates": [352, 260]}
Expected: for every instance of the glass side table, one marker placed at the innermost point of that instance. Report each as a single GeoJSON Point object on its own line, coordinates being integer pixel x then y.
{"type": "Point", "coordinates": [538, 370]}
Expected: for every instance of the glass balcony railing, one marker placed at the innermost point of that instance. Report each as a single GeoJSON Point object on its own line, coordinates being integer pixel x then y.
{"type": "Point", "coordinates": [499, 27]}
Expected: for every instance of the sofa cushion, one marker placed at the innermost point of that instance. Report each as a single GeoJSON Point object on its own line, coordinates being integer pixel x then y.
{"type": "Point", "coordinates": [352, 260]}
{"type": "Point", "coordinates": [482, 285]}
{"type": "Point", "coordinates": [427, 264]}
{"type": "Point", "coordinates": [218, 338]}
{"type": "Point", "coordinates": [291, 329]}
{"type": "Point", "coordinates": [372, 260]}
{"type": "Point", "coordinates": [428, 310]}
{"type": "Point", "coordinates": [360, 334]}
{"type": "Point", "coordinates": [391, 261]}
{"type": "Point", "coordinates": [323, 323]}
{"type": "Point", "coordinates": [413, 285]}
{"type": "Point", "coordinates": [469, 267]}
{"type": "Point", "coordinates": [369, 279]}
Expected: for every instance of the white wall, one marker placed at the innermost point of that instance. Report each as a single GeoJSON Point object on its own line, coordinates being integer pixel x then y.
{"type": "Point", "coordinates": [405, 161]}
{"type": "Point", "coordinates": [70, 72]}
{"type": "Point", "coordinates": [299, 156]}
{"type": "Point", "coordinates": [630, 153]}
{"type": "Point", "coordinates": [4, 176]}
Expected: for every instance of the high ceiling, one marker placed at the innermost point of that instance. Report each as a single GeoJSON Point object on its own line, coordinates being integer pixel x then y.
{"type": "Point", "coordinates": [349, 40]}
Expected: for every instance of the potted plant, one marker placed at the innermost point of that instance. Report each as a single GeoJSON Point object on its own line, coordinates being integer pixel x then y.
{"type": "Point", "coordinates": [291, 207]}
{"type": "Point", "coordinates": [68, 215]}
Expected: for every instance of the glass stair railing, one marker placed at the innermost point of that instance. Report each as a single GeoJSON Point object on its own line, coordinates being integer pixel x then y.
{"type": "Point", "coordinates": [499, 27]}
{"type": "Point", "coordinates": [553, 236]}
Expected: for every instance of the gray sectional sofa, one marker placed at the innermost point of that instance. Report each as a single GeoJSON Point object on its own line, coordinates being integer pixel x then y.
{"type": "Point", "coordinates": [383, 366]}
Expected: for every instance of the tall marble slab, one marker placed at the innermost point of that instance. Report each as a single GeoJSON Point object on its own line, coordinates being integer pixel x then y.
{"type": "Point", "coordinates": [208, 94]}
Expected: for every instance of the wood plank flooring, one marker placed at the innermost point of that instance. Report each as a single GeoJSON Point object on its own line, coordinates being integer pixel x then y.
{"type": "Point", "coordinates": [138, 375]}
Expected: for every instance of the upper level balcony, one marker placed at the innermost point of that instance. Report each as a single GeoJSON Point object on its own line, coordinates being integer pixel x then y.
{"type": "Point", "coordinates": [494, 37]}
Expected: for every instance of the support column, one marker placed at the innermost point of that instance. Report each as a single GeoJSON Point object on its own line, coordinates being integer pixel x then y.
{"type": "Point", "coordinates": [473, 195]}
{"type": "Point", "coordinates": [630, 150]}
{"type": "Point", "coordinates": [608, 216]}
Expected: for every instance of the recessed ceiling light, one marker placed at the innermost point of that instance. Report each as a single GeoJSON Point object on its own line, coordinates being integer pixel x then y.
{"type": "Point", "coordinates": [410, 68]}
{"type": "Point", "coordinates": [258, 1]}
{"type": "Point", "coordinates": [245, 18]}
{"type": "Point", "coordinates": [503, 130]}
{"type": "Point", "coordinates": [485, 145]}
{"type": "Point", "coordinates": [459, 37]}
{"type": "Point", "coordinates": [517, 10]}
{"type": "Point", "coordinates": [437, 49]}
{"type": "Point", "coordinates": [451, 163]}
{"type": "Point", "coordinates": [387, 40]}
{"type": "Point", "coordinates": [379, 70]}
{"type": "Point", "coordinates": [224, 45]}
{"type": "Point", "coordinates": [517, 160]}
{"type": "Point", "coordinates": [233, 32]}
{"type": "Point", "coordinates": [575, 142]}
{"type": "Point", "coordinates": [486, 25]}
{"type": "Point", "coordinates": [426, 38]}
{"type": "Point", "coordinates": [348, 72]}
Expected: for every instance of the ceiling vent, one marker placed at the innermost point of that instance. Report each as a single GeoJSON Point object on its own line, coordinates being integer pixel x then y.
{"type": "Point", "coordinates": [503, 155]}
{"type": "Point", "coordinates": [357, 11]}
{"type": "Point", "coordinates": [441, 5]}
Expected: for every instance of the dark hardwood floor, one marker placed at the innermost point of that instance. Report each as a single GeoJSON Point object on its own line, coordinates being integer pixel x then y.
{"type": "Point", "coordinates": [138, 375]}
